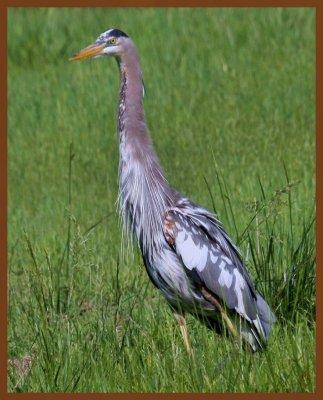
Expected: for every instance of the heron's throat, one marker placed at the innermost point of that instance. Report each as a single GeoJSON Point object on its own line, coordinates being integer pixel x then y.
{"type": "Point", "coordinates": [131, 116]}
{"type": "Point", "coordinates": [144, 193]}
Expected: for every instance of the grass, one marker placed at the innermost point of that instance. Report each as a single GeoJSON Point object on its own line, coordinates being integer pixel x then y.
{"type": "Point", "coordinates": [231, 107]}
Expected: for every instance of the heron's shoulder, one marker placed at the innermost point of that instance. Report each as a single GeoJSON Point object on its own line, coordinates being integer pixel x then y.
{"type": "Point", "coordinates": [189, 212]}
{"type": "Point", "coordinates": [200, 226]}
{"type": "Point", "coordinates": [189, 218]}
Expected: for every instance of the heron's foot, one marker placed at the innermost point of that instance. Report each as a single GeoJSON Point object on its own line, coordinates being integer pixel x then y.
{"type": "Point", "coordinates": [182, 326]}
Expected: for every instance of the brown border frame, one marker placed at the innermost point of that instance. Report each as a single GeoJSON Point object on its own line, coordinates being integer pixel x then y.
{"type": "Point", "coordinates": [3, 180]}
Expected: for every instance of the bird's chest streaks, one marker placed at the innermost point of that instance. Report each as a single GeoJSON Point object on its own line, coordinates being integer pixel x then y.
{"type": "Point", "coordinates": [122, 106]}
{"type": "Point", "coordinates": [142, 198]}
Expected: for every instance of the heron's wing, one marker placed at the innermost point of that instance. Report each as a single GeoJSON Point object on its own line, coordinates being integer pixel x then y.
{"type": "Point", "coordinates": [210, 259]}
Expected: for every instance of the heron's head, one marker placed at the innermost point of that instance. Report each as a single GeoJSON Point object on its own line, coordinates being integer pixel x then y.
{"type": "Point", "coordinates": [112, 42]}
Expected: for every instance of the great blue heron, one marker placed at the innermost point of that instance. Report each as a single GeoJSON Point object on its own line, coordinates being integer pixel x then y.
{"type": "Point", "coordinates": [186, 252]}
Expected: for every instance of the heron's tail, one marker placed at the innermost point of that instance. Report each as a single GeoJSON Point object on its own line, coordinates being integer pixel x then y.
{"type": "Point", "coordinates": [266, 316]}
{"type": "Point", "coordinates": [257, 332]}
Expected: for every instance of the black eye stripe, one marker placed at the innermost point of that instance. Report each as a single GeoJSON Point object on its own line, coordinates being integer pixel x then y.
{"type": "Point", "coordinates": [117, 33]}
{"type": "Point", "coordinates": [112, 33]}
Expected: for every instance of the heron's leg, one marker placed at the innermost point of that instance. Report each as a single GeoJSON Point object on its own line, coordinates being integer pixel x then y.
{"type": "Point", "coordinates": [208, 296]}
{"type": "Point", "coordinates": [182, 326]}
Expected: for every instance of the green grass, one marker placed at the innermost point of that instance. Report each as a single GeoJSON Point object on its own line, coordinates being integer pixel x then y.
{"type": "Point", "coordinates": [231, 108]}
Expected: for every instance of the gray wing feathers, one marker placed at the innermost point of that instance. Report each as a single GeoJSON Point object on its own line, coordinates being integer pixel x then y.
{"type": "Point", "coordinates": [214, 230]}
{"type": "Point", "coordinates": [211, 259]}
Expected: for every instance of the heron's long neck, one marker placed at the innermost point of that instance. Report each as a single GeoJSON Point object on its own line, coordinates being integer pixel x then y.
{"type": "Point", "coordinates": [143, 191]}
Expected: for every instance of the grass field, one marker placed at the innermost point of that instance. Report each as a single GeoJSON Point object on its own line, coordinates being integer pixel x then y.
{"type": "Point", "coordinates": [231, 108]}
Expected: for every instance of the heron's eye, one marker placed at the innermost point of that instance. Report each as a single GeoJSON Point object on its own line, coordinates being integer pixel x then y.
{"type": "Point", "coordinates": [112, 41]}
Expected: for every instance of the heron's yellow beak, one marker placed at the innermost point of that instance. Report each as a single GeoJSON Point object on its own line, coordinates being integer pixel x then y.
{"type": "Point", "coordinates": [88, 52]}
